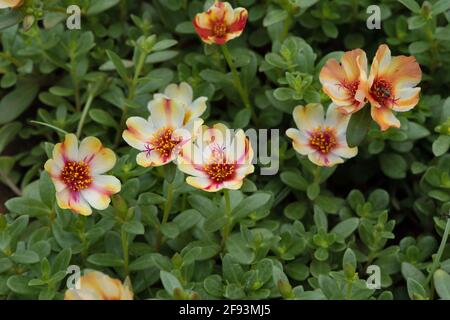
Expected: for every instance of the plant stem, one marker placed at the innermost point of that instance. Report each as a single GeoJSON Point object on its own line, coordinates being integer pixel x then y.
{"type": "Point", "coordinates": [126, 256]}
{"type": "Point", "coordinates": [433, 45]}
{"type": "Point", "coordinates": [348, 294]}
{"type": "Point", "coordinates": [87, 106]}
{"type": "Point", "coordinates": [168, 204]}
{"type": "Point", "coordinates": [227, 227]}
{"type": "Point", "coordinates": [237, 80]}
{"type": "Point", "coordinates": [317, 173]}
{"type": "Point", "coordinates": [167, 207]}
{"type": "Point", "coordinates": [437, 260]}
{"type": "Point", "coordinates": [123, 10]}
{"type": "Point", "coordinates": [77, 95]}
{"type": "Point", "coordinates": [131, 93]}
{"type": "Point", "coordinates": [82, 236]}
{"type": "Point", "coordinates": [286, 26]}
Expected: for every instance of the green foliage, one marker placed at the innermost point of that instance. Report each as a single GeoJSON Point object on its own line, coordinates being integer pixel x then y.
{"type": "Point", "coordinates": [304, 233]}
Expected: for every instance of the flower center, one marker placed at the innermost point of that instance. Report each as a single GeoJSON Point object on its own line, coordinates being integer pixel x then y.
{"type": "Point", "coordinates": [381, 91]}
{"type": "Point", "coordinates": [219, 29]}
{"type": "Point", "coordinates": [352, 87]}
{"type": "Point", "coordinates": [164, 143]}
{"type": "Point", "coordinates": [218, 169]}
{"type": "Point", "coordinates": [76, 175]}
{"type": "Point", "coordinates": [219, 172]}
{"type": "Point", "coordinates": [323, 140]}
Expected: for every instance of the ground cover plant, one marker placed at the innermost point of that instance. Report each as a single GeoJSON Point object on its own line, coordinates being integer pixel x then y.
{"type": "Point", "coordinates": [121, 179]}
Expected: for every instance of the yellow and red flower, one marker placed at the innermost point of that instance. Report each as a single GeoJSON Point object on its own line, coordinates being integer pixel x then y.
{"type": "Point", "coordinates": [322, 139]}
{"type": "Point", "coordinates": [391, 86]}
{"type": "Point", "coordinates": [161, 136]}
{"type": "Point", "coordinates": [77, 172]}
{"type": "Point", "coordinates": [220, 160]}
{"type": "Point", "coordinates": [10, 4]}
{"type": "Point", "coordinates": [99, 286]}
{"type": "Point", "coordinates": [184, 95]}
{"type": "Point", "coordinates": [220, 23]}
{"type": "Point", "coordinates": [342, 81]}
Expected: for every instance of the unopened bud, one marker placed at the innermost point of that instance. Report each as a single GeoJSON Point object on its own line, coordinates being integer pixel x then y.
{"type": "Point", "coordinates": [285, 289]}
{"type": "Point", "coordinates": [28, 22]}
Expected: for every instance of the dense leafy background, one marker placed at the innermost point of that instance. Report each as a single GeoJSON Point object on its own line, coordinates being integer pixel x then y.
{"type": "Point", "coordinates": [303, 233]}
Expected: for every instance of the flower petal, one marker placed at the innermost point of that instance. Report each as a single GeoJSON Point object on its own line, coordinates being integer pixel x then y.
{"type": "Point", "coordinates": [323, 160]}
{"type": "Point", "coordinates": [309, 117]}
{"type": "Point", "coordinates": [353, 62]}
{"type": "Point", "coordinates": [244, 170]}
{"type": "Point", "coordinates": [67, 199]}
{"type": "Point", "coordinates": [204, 183]}
{"type": "Point", "coordinates": [196, 109]}
{"type": "Point", "coordinates": [219, 134]}
{"type": "Point", "coordinates": [98, 286]}
{"type": "Point", "coordinates": [299, 141]}
{"type": "Point", "coordinates": [384, 117]}
{"type": "Point", "coordinates": [241, 150]}
{"type": "Point", "coordinates": [54, 170]}
{"type": "Point", "coordinates": [66, 151]}
{"type": "Point", "coordinates": [10, 3]}
{"type": "Point", "coordinates": [190, 154]}
{"type": "Point", "coordinates": [406, 99]}
{"type": "Point", "coordinates": [221, 11]}
{"type": "Point", "coordinates": [166, 113]}
{"type": "Point", "coordinates": [152, 159]}
{"type": "Point", "coordinates": [403, 72]}
{"type": "Point", "coordinates": [99, 193]}
{"type": "Point", "coordinates": [381, 62]}
{"type": "Point", "coordinates": [202, 25]}
{"type": "Point", "coordinates": [233, 184]}
{"type": "Point", "coordinates": [237, 25]}
{"type": "Point", "coordinates": [345, 151]}
{"type": "Point", "coordinates": [182, 92]}
{"type": "Point", "coordinates": [336, 119]}
{"type": "Point", "coordinates": [93, 153]}
{"type": "Point", "coordinates": [138, 133]}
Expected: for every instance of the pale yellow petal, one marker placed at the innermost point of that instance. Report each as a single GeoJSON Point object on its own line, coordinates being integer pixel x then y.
{"type": "Point", "coordinates": [299, 141]}
{"type": "Point", "coordinates": [385, 118]}
{"type": "Point", "coordinates": [182, 92]}
{"type": "Point", "coordinates": [166, 113]}
{"type": "Point", "coordinates": [99, 193]}
{"type": "Point", "coordinates": [67, 199]}
{"type": "Point", "coordinates": [308, 117]}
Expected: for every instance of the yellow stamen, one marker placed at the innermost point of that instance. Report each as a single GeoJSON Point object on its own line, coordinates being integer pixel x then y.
{"type": "Point", "coordinates": [76, 175]}
{"type": "Point", "coordinates": [218, 169]}
{"type": "Point", "coordinates": [219, 29]}
{"type": "Point", "coordinates": [323, 140]}
{"type": "Point", "coordinates": [164, 143]}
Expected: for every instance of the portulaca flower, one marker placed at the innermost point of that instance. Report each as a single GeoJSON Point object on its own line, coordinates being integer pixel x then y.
{"type": "Point", "coordinates": [341, 81]}
{"type": "Point", "coordinates": [219, 160]}
{"type": "Point", "coordinates": [77, 172]}
{"type": "Point", "coordinates": [10, 3]}
{"type": "Point", "coordinates": [96, 285]}
{"type": "Point", "coordinates": [322, 139]}
{"type": "Point", "coordinates": [391, 86]}
{"type": "Point", "coordinates": [220, 23]}
{"type": "Point", "coordinates": [184, 95]}
{"type": "Point", "coordinates": [161, 136]}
